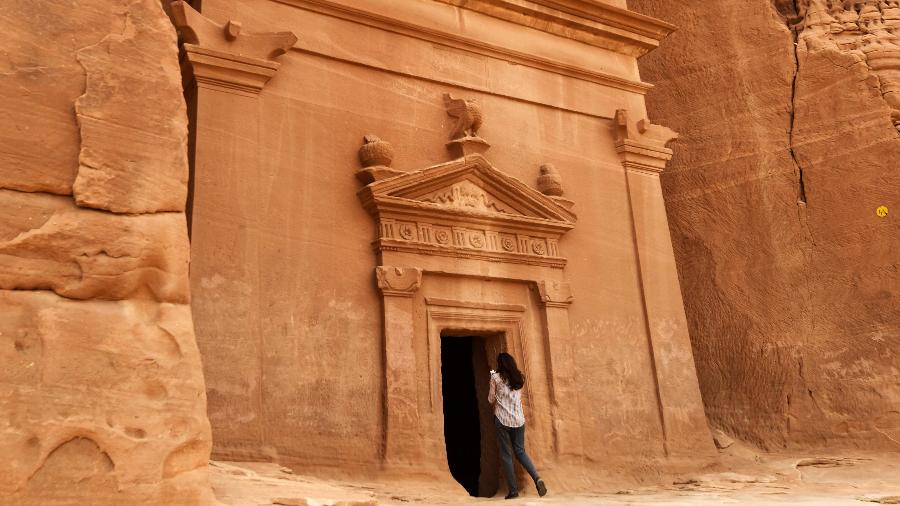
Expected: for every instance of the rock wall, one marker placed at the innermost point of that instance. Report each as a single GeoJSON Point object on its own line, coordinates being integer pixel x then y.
{"type": "Point", "coordinates": [101, 388]}
{"type": "Point", "coordinates": [789, 274]}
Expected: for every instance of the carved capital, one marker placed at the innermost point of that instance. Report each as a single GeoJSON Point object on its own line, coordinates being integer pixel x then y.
{"type": "Point", "coordinates": [228, 38]}
{"type": "Point", "coordinates": [225, 57]}
{"type": "Point", "coordinates": [398, 281]}
{"type": "Point", "coordinates": [555, 293]}
{"type": "Point", "coordinates": [642, 145]}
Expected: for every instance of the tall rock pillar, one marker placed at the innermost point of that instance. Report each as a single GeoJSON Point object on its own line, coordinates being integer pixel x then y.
{"type": "Point", "coordinates": [102, 399]}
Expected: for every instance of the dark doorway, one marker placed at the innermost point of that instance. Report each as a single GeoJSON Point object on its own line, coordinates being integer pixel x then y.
{"type": "Point", "coordinates": [468, 419]}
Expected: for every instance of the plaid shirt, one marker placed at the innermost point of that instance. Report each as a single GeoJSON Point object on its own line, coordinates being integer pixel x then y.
{"type": "Point", "coordinates": [507, 402]}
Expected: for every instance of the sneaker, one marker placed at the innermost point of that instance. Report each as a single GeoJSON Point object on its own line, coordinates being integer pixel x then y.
{"type": "Point", "coordinates": [512, 495]}
{"type": "Point", "coordinates": [541, 488]}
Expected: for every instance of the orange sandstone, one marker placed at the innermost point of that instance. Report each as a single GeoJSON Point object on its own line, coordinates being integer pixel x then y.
{"type": "Point", "coordinates": [790, 278]}
{"type": "Point", "coordinates": [381, 195]}
{"type": "Point", "coordinates": [103, 399]}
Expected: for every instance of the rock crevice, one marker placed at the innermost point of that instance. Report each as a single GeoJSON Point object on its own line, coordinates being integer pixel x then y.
{"type": "Point", "coordinates": [794, 327]}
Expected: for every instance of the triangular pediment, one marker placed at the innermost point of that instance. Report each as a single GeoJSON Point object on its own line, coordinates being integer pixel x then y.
{"type": "Point", "coordinates": [471, 186]}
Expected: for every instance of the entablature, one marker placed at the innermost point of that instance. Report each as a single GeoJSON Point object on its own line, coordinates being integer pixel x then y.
{"type": "Point", "coordinates": [469, 209]}
{"type": "Point", "coordinates": [441, 23]}
{"type": "Point", "coordinates": [588, 21]}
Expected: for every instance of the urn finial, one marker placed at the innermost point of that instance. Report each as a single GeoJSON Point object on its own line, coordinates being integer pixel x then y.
{"type": "Point", "coordinates": [550, 182]}
{"type": "Point", "coordinates": [376, 156]}
{"type": "Point", "coordinates": [375, 152]}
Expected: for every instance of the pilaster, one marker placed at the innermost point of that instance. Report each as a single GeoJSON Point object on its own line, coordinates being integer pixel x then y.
{"type": "Point", "coordinates": [642, 149]}
{"type": "Point", "coordinates": [398, 286]}
{"type": "Point", "coordinates": [556, 298]}
{"type": "Point", "coordinates": [224, 69]}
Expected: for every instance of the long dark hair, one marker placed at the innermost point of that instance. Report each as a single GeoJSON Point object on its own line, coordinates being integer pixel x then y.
{"type": "Point", "coordinates": [506, 367]}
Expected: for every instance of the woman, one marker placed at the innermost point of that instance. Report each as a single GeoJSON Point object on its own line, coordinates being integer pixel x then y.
{"type": "Point", "coordinates": [506, 396]}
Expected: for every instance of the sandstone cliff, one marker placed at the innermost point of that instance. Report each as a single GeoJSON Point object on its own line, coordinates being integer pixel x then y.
{"type": "Point", "coordinates": [102, 389]}
{"type": "Point", "coordinates": [789, 276]}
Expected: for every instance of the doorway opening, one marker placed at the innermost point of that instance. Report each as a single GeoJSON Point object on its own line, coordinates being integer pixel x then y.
{"type": "Point", "coordinates": [469, 433]}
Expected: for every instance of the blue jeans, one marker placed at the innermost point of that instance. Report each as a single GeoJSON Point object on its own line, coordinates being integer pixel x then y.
{"type": "Point", "coordinates": [512, 440]}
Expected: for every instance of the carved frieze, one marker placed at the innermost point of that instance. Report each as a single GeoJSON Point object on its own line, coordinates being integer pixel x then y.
{"type": "Point", "coordinates": [432, 238]}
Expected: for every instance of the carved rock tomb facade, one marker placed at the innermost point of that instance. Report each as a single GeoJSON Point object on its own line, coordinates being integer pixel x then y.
{"type": "Point", "coordinates": [506, 192]}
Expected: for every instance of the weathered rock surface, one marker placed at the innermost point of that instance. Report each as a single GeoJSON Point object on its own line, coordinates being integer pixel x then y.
{"type": "Point", "coordinates": [133, 134]}
{"type": "Point", "coordinates": [102, 399]}
{"type": "Point", "coordinates": [722, 440]}
{"type": "Point", "coordinates": [46, 242]}
{"type": "Point", "coordinates": [790, 279]}
{"type": "Point", "coordinates": [131, 156]}
{"type": "Point", "coordinates": [40, 79]}
{"type": "Point", "coordinates": [102, 396]}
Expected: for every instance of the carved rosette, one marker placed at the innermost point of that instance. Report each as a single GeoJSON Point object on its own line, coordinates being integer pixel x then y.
{"type": "Point", "coordinates": [398, 281]}
{"type": "Point", "coordinates": [424, 236]}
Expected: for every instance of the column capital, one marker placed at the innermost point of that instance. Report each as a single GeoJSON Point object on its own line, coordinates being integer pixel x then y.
{"type": "Point", "coordinates": [642, 145]}
{"type": "Point", "coordinates": [398, 281]}
{"type": "Point", "coordinates": [555, 293]}
{"type": "Point", "coordinates": [222, 56]}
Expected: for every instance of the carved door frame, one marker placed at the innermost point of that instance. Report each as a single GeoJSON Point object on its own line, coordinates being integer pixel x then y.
{"type": "Point", "coordinates": [421, 221]}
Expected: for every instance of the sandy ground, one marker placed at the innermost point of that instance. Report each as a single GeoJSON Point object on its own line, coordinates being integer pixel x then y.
{"type": "Point", "coordinates": [745, 478]}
